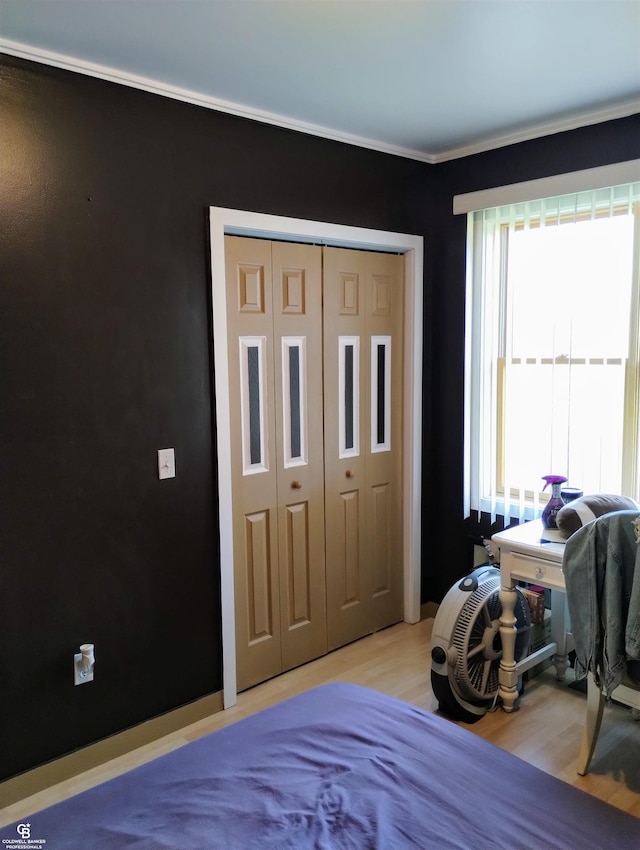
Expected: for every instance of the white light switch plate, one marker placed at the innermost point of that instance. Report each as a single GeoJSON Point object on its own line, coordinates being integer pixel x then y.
{"type": "Point", "coordinates": [166, 463]}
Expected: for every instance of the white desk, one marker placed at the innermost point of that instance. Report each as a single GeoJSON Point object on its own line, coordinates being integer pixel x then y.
{"type": "Point", "coordinates": [530, 553]}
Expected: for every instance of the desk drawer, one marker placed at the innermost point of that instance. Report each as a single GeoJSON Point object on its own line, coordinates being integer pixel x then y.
{"type": "Point", "coordinates": [535, 570]}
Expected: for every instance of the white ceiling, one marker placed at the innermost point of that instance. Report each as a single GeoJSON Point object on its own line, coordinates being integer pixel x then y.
{"type": "Point", "coordinates": [431, 79]}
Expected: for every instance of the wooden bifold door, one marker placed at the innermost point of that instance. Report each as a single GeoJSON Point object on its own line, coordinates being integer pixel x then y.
{"type": "Point", "coordinates": [315, 369]}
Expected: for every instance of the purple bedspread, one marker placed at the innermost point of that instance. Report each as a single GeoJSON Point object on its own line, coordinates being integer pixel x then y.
{"type": "Point", "coordinates": [336, 768]}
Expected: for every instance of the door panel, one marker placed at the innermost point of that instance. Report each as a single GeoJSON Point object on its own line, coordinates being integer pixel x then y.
{"type": "Point", "coordinates": [297, 299]}
{"type": "Point", "coordinates": [259, 577]}
{"type": "Point", "coordinates": [297, 566]}
{"type": "Point", "coordinates": [253, 452]}
{"type": "Point", "coordinates": [345, 406]}
{"type": "Point", "coordinates": [363, 308]}
{"type": "Point", "coordinates": [384, 323]}
{"type": "Point", "coordinates": [350, 589]}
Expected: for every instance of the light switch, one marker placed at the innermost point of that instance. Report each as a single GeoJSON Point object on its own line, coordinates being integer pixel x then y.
{"type": "Point", "coordinates": [166, 463]}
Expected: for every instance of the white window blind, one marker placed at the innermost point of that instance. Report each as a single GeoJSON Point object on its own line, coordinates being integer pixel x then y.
{"type": "Point", "coordinates": [552, 348]}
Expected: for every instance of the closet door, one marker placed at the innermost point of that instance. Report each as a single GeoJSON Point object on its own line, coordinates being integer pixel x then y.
{"type": "Point", "coordinates": [383, 329]}
{"type": "Point", "coordinates": [297, 299]}
{"type": "Point", "coordinates": [253, 458]}
{"type": "Point", "coordinates": [274, 303]}
{"type": "Point", "coordinates": [363, 306]}
{"type": "Point", "coordinates": [345, 406]}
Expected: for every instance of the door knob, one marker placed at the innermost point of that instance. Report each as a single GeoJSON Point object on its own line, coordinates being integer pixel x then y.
{"type": "Point", "coordinates": [350, 473]}
{"type": "Point", "coordinates": [296, 485]}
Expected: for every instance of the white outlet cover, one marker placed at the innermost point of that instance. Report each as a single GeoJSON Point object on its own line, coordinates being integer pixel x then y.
{"type": "Point", "coordinates": [80, 676]}
{"type": "Point", "coordinates": [166, 463]}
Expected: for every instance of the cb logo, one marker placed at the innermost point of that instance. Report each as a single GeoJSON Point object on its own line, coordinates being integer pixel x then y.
{"type": "Point", "coordinates": [24, 830]}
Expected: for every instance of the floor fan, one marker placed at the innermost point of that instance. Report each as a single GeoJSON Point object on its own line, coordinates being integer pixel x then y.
{"type": "Point", "coordinates": [466, 647]}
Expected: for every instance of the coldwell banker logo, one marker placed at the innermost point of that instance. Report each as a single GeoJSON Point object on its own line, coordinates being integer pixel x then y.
{"type": "Point", "coordinates": [24, 841]}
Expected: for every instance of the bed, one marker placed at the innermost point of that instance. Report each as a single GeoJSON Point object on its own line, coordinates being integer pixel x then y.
{"type": "Point", "coordinates": [335, 768]}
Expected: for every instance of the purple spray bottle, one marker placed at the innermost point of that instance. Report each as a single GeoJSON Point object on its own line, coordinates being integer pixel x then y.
{"type": "Point", "coordinates": [555, 502]}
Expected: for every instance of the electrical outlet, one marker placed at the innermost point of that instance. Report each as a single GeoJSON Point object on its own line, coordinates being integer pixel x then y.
{"type": "Point", "coordinates": [83, 665]}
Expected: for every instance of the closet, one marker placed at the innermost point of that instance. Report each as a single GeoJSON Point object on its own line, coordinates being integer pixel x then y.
{"type": "Point", "coordinates": [315, 366]}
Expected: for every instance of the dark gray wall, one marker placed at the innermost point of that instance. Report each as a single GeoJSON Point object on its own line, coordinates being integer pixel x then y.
{"type": "Point", "coordinates": [105, 358]}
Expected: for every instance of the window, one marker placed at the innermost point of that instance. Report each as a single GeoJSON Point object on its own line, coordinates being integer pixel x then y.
{"type": "Point", "coordinates": [552, 348]}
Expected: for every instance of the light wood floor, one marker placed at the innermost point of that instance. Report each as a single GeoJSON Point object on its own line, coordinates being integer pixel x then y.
{"type": "Point", "coordinates": [545, 731]}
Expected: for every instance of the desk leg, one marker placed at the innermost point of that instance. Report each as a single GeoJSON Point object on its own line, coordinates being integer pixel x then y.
{"type": "Point", "coordinates": [559, 622]}
{"type": "Point", "coordinates": [508, 678]}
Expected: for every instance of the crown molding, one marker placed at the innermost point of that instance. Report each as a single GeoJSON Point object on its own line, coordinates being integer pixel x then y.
{"type": "Point", "coordinates": [536, 131]}
{"type": "Point", "coordinates": [114, 75]}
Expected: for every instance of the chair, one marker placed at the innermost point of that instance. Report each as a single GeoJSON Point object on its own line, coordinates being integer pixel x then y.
{"type": "Point", "coordinates": [601, 567]}
{"type": "Point", "coordinates": [628, 693]}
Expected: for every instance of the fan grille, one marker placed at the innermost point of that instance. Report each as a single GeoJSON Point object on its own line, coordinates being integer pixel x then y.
{"type": "Point", "coordinates": [477, 642]}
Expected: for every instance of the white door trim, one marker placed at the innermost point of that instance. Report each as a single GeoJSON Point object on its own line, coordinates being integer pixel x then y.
{"type": "Point", "coordinates": [242, 223]}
